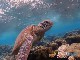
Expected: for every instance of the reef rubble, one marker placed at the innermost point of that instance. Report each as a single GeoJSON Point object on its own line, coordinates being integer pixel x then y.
{"type": "Point", "coordinates": [67, 47]}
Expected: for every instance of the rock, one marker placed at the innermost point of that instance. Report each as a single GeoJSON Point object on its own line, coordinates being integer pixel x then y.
{"type": "Point", "coordinates": [69, 50]}
{"type": "Point", "coordinates": [62, 51]}
{"type": "Point", "coordinates": [52, 55]}
{"type": "Point", "coordinates": [53, 45]}
{"type": "Point", "coordinates": [75, 48]}
{"type": "Point", "coordinates": [60, 41]}
{"type": "Point", "coordinates": [40, 53]}
{"type": "Point", "coordinates": [5, 50]}
{"type": "Point", "coordinates": [71, 58]}
{"type": "Point", "coordinates": [72, 33]}
{"type": "Point", "coordinates": [73, 39]}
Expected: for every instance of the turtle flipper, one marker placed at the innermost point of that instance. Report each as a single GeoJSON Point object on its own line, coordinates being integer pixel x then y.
{"type": "Point", "coordinates": [25, 49]}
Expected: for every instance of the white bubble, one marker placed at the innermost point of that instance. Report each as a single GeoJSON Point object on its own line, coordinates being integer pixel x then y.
{"type": "Point", "coordinates": [1, 11]}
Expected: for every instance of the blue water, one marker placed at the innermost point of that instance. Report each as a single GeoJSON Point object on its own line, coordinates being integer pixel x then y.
{"type": "Point", "coordinates": [14, 19]}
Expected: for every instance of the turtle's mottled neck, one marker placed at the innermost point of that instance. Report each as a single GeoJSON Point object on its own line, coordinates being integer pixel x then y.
{"type": "Point", "coordinates": [25, 49]}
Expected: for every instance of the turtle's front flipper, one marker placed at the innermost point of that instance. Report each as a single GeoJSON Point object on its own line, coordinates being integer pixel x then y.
{"type": "Point", "coordinates": [25, 49]}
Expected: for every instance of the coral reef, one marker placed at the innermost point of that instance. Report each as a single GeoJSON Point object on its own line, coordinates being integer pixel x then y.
{"type": "Point", "coordinates": [67, 47]}
{"type": "Point", "coordinates": [60, 41]}
{"type": "Point", "coordinates": [75, 49]}
{"type": "Point", "coordinates": [5, 51]}
{"type": "Point", "coordinates": [72, 37]}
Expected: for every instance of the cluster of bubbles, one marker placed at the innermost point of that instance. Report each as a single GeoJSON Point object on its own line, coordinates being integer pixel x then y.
{"type": "Point", "coordinates": [8, 5]}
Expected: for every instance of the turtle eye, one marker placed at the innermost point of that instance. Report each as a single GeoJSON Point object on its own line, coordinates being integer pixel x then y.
{"type": "Point", "coordinates": [37, 34]}
{"type": "Point", "coordinates": [46, 22]}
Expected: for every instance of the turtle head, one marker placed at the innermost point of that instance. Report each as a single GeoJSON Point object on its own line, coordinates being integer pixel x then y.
{"type": "Point", "coordinates": [45, 25]}
{"type": "Point", "coordinates": [40, 29]}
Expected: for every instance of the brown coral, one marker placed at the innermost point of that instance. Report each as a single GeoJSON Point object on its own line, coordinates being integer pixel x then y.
{"type": "Point", "coordinates": [73, 39]}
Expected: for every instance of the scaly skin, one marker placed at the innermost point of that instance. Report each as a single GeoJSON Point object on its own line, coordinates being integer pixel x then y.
{"type": "Point", "coordinates": [25, 49]}
{"type": "Point", "coordinates": [27, 37]}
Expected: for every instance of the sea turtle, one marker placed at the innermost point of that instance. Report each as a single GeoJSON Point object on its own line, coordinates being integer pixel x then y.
{"type": "Point", "coordinates": [27, 37]}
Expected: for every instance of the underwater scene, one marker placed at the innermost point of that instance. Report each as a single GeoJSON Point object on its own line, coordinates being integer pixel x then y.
{"type": "Point", "coordinates": [39, 29]}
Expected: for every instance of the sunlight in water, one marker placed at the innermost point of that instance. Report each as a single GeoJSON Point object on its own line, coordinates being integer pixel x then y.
{"type": "Point", "coordinates": [17, 3]}
{"type": "Point", "coordinates": [1, 11]}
